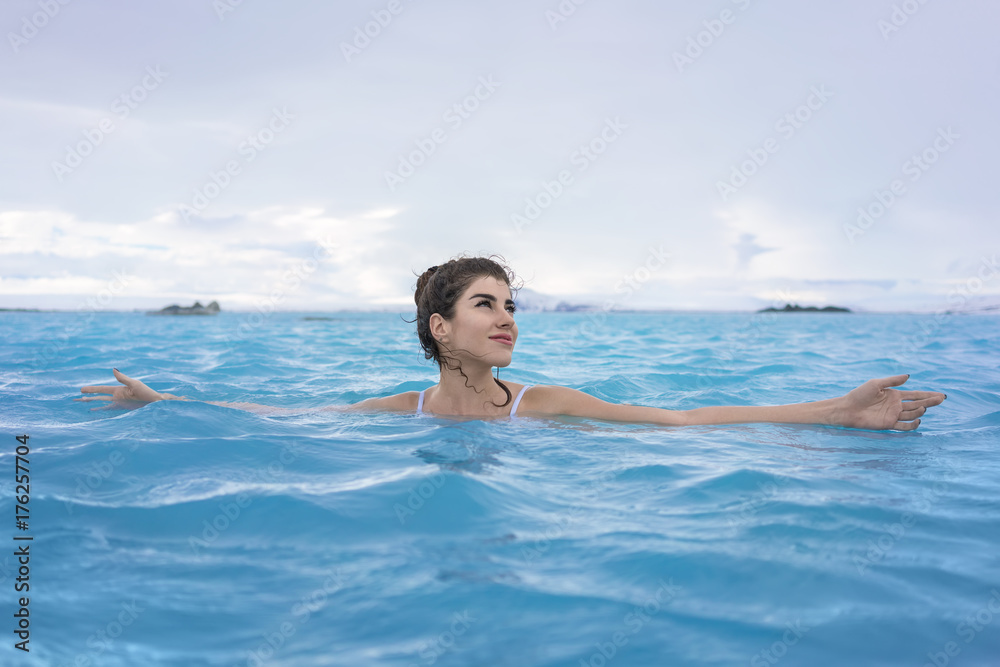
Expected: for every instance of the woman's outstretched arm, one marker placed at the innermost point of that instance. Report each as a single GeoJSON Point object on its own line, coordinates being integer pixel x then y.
{"type": "Point", "coordinates": [132, 392]}
{"type": "Point", "coordinates": [873, 405]}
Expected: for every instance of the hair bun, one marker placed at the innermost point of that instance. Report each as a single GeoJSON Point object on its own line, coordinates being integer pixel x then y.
{"type": "Point", "coordinates": [422, 281]}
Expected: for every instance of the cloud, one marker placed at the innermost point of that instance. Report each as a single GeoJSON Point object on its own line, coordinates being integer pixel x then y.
{"type": "Point", "coordinates": [246, 259]}
{"type": "Point", "coordinates": [746, 248]}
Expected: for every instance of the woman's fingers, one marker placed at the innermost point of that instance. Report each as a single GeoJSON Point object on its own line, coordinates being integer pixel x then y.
{"type": "Point", "coordinates": [98, 389]}
{"type": "Point", "coordinates": [935, 396]}
{"type": "Point", "coordinates": [911, 404]}
{"type": "Point", "coordinates": [102, 388]}
{"type": "Point", "coordinates": [108, 389]}
{"type": "Point", "coordinates": [124, 392]}
{"type": "Point", "coordinates": [121, 377]}
{"type": "Point", "coordinates": [906, 426]}
{"type": "Point", "coordinates": [909, 414]}
{"type": "Point", "coordinates": [892, 381]}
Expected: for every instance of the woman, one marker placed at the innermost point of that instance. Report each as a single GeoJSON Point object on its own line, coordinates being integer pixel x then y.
{"type": "Point", "coordinates": [465, 322]}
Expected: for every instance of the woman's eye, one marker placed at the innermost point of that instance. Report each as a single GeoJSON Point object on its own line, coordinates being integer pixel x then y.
{"type": "Point", "coordinates": [510, 308]}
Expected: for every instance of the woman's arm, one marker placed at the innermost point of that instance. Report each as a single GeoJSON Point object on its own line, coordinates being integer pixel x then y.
{"type": "Point", "coordinates": [405, 402]}
{"type": "Point", "coordinates": [132, 392]}
{"type": "Point", "coordinates": [873, 405]}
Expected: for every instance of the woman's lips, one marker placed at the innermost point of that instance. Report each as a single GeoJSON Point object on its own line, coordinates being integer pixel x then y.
{"type": "Point", "coordinates": [503, 338]}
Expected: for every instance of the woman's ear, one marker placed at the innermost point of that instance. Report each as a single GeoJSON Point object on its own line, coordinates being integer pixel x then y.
{"type": "Point", "coordinates": [439, 328]}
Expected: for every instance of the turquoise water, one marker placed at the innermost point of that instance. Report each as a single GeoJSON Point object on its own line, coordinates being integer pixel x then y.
{"type": "Point", "coordinates": [191, 534]}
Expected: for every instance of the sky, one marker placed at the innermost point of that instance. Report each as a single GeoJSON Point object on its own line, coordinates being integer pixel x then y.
{"type": "Point", "coordinates": [722, 155]}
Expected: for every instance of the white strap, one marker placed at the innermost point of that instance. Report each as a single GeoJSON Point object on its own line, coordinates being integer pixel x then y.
{"type": "Point", "coordinates": [513, 410]}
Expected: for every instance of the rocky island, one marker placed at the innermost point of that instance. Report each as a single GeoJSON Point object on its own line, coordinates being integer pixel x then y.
{"type": "Point", "coordinates": [790, 308]}
{"type": "Point", "coordinates": [196, 309]}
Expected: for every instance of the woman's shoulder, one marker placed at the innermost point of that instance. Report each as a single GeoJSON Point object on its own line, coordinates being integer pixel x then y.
{"type": "Point", "coordinates": [553, 399]}
{"type": "Point", "coordinates": [404, 402]}
{"type": "Point", "coordinates": [538, 396]}
{"type": "Point", "coordinates": [538, 389]}
{"type": "Point", "coordinates": [518, 389]}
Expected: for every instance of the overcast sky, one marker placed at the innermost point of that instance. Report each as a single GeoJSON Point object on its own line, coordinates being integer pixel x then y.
{"type": "Point", "coordinates": [656, 154]}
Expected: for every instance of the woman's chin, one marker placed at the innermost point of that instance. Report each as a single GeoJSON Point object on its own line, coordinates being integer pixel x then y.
{"type": "Point", "coordinates": [502, 361]}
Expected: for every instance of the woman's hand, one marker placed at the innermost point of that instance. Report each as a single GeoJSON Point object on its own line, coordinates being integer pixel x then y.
{"type": "Point", "coordinates": [129, 391]}
{"type": "Point", "coordinates": [874, 405]}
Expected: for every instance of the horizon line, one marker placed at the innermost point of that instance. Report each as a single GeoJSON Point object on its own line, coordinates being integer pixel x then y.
{"type": "Point", "coordinates": [820, 311]}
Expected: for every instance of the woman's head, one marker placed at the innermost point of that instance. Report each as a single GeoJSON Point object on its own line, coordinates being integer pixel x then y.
{"type": "Point", "coordinates": [439, 290]}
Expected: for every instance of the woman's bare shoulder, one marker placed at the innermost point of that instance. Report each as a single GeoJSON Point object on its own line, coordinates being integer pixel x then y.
{"type": "Point", "coordinates": [405, 402]}
{"type": "Point", "coordinates": [547, 398]}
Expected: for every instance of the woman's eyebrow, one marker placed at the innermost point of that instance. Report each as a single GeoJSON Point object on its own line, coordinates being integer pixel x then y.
{"type": "Point", "coordinates": [488, 296]}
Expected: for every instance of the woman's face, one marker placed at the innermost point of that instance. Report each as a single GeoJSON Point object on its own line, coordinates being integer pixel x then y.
{"type": "Point", "coordinates": [483, 328]}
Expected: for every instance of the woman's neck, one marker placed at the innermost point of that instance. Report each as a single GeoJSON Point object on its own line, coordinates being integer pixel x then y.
{"type": "Point", "coordinates": [473, 396]}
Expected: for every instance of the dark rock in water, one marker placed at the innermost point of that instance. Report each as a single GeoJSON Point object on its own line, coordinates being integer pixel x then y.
{"type": "Point", "coordinates": [196, 309]}
{"type": "Point", "coordinates": [789, 308]}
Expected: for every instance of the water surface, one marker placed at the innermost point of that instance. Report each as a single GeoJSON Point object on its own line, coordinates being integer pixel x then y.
{"type": "Point", "coordinates": [191, 534]}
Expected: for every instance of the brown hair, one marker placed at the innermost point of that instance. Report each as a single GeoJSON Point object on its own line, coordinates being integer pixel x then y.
{"type": "Point", "coordinates": [437, 291]}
